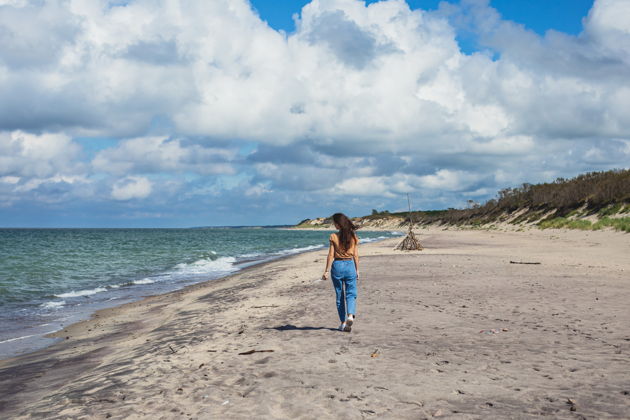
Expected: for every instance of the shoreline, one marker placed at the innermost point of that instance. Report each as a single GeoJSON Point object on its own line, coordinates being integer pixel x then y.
{"type": "Point", "coordinates": [108, 311]}
{"type": "Point", "coordinates": [419, 322]}
{"type": "Point", "coordinates": [359, 230]}
{"type": "Point", "coordinates": [83, 334]}
{"type": "Point", "coordinates": [41, 340]}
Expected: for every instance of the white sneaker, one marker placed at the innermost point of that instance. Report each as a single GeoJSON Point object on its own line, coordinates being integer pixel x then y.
{"type": "Point", "coordinates": [348, 323]}
{"type": "Point", "coordinates": [342, 327]}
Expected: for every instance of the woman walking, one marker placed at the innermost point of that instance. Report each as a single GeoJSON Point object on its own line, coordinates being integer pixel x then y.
{"type": "Point", "coordinates": [343, 265]}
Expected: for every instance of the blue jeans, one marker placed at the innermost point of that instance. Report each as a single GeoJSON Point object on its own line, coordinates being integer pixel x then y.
{"type": "Point", "coordinates": [344, 273]}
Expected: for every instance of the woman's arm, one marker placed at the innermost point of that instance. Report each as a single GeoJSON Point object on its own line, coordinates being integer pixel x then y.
{"type": "Point", "coordinates": [355, 257]}
{"type": "Point", "coordinates": [329, 261]}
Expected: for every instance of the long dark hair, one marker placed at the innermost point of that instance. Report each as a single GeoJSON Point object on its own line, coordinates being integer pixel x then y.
{"type": "Point", "coordinates": [346, 229]}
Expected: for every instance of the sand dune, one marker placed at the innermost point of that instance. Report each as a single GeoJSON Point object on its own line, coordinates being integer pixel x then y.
{"type": "Point", "coordinates": [456, 331]}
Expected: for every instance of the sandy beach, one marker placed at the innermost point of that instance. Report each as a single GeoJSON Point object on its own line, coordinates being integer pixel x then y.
{"type": "Point", "coordinates": [479, 325]}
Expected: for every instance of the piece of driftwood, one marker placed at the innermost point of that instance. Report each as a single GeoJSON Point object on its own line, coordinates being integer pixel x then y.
{"type": "Point", "coordinates": [524, 262]}
{"type": "Point", "coordinates": [254, 351]}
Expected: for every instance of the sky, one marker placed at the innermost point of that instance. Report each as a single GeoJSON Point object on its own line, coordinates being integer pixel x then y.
{"type": "Point", "coordinates": [169, 113]}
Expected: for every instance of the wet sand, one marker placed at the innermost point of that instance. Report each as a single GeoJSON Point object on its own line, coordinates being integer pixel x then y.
{"type": "Point", "coordinates": [461, 330]}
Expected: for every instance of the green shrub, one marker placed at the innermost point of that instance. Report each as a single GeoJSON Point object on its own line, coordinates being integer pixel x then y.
{"type": "Point", "coordinates": [580, 224]}
{"type": "Point", "coordinates": [556, 223]}
{"type": "Point", "coordinates": [610, 210]}
{"type": "Point", "coordinates": [622, 224]}
{"type": "Point", "coordinates": [563, 222]}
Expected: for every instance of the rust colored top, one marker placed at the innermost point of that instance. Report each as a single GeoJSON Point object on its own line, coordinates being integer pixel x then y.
{"type": "Point", "coordinates": [340, 251]}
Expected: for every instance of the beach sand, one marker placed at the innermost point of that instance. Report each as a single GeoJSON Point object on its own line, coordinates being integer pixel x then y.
{"type": "Point", "coordinates": [456, 331]}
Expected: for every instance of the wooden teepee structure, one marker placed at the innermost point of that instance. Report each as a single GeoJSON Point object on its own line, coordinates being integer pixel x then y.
{"type": "Point", "coordinates": [410, 243]}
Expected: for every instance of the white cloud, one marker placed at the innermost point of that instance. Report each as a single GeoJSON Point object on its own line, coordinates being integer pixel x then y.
{"type": "Point", "coordinates": [367, 101]}
{"type": "Point", "coordinates": [160, 154]}
{"type": "Point", "coordinates": [400, 183]}
{"type": "Point", "coordinates": [447, 180]}
{"type": "Point", "coordinates": [257, 190]}
{"type": "Point", "coordinates": [45, 155]}
{"type": "Point", "coordinates": [14, 3]}
{"type": "Point", "coordinates": [516, 145]}
{"type": "Point", "coordinates": [609, 26]}
{"type": "Point", "coordinates": [10, 179]}
{"type": "Point", "coordinates": [131, 187]}
{"type": "Point", "coordinates": [380, 76]}
{"type": "Point", "coordinates": [35, 183]}
{"type": "Point", "coordinates": [362, 186]}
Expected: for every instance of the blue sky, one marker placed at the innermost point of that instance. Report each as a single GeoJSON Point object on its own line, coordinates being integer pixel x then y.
{"type": "Point", "coordinates": [537, 15]}
{"type": "Point", "coordinates": [176, 114]}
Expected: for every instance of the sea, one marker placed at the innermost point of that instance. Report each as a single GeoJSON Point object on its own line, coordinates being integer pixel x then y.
{"type": "Point", "coordinates": [50, 278]}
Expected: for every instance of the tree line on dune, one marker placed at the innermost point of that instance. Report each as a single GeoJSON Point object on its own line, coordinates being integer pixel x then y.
{"type": "Point", "coordinates": [600, 193]}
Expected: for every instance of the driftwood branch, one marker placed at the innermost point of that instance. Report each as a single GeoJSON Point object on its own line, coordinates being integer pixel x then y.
{"type": "Point", "coordinates": [254, 351]}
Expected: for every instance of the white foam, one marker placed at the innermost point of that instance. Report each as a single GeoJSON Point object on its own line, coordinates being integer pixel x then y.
{"type": "Point", "coordinates": [143, 281]}
{"type": "Point", "coordinates": [378, 238]}
{"type": "Point", "coordinates": [89, 292]}
{"type": "Point", "coordinates": [53, 305]}
{"type": "Point", "coordinates": [206, 266]}
{"type": "Point", "coordinates": [17, 338]}
{"type": "Point", "coordinates": [26, 336]}
{"type": "Point", "coordinates": [299, 250]}
{"type": "Point", "coordinates": [252, 255]}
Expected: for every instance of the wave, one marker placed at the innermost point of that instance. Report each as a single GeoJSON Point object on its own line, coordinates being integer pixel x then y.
{"type": "Point", "coordinates": [252, 255]}
{"type": "Point", "coordinates": [88, 292]}
{"type": "Point", "coordinates": [27, 336]}
{"type": "Point", "coordinates": [206, 266]}
{"type": "Point", "coordinates": [378, 238]}
{"type": "Point", "coordinates": [18, 338]}
{"type": "Point", "coordinates": [53, 305]}
{"type": "Point", "coordinates": [288, 251]}
{"type": "Point", "coordinates": [291, 251]}
{"type": "Point", "coordinates": [220, 266]}
{"type": "Point", "coordinates": [143, 281]}
{"type": "Point", "coordinates": [131, 283]}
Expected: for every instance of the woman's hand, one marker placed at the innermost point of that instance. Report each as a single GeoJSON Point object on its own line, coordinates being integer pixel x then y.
{"type": "Point", "coordinates": [325, 275]}
{"type": "Point", "coordinates": [357, 274]}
